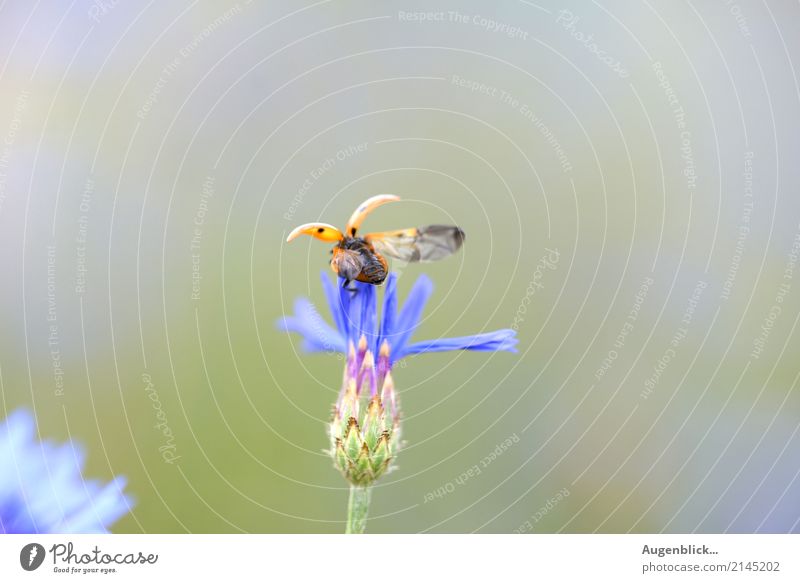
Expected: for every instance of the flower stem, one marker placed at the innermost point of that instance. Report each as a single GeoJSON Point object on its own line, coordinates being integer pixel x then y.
{"type": "Point", "coordinates": [357, 509]}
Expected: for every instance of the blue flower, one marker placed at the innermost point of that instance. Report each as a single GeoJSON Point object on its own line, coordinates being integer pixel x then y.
{"type": "Point", "coordinates": [42, 489]}
{"type": "Point", "coordinates": [365, 429]}
{"type": "Point", "coordinates": [355, 315]}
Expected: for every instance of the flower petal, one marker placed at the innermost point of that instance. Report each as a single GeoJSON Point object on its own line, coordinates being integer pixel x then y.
{"type": "Point", "coordinates": [369, 314]}
{"type": "Point", "coordinates": [389, 312]}
{"type": "Point", "coordinates": [491, 341]}
{"type": "Point", "coordinates": [335, 305]}
{"type": "Point", "coordinates": [360, 309]}
{"type": "Point", "coordinates": [318, 335]}
{"type": "Point", "coordinates": [103, 506]}
{"type": "Point", "coordinates": [42, 487]}
{"type": "Point", "coordinates": [410, 314]}
{"type": "Point", "coordinates": [355, 313]}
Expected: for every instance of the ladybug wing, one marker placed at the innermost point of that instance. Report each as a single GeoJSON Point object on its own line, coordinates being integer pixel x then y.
{"type": "Point", "coordinates": [429, 243]}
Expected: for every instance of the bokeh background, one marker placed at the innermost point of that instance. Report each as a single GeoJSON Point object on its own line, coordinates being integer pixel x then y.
{"type": "Point", "coordinates": [627, 177]}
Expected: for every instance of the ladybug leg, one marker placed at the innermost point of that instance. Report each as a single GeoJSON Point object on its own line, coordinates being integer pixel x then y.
{"type": "Point", "coordinates": [346, 285]}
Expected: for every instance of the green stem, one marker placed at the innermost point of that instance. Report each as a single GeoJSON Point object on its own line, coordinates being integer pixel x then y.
{"type": "Point", "coordinates": [357, 509]}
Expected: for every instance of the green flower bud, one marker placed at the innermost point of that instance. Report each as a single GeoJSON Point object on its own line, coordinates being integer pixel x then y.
{"type": "Point", "coordinates": [365, 429]}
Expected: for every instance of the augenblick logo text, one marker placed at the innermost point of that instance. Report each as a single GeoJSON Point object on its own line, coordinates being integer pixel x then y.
{"type": "Point", "coordinates": [65, 554]}
{"type": "Point", "coordinates": [681, 550]}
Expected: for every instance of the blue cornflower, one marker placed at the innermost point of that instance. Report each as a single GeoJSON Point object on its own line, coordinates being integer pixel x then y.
{"type": "Point", "coordinates": [365, 430]}
{"type": "Point", "coordinates": [42, 489]}
{"type": "Point", "coordinates": [355, 315]}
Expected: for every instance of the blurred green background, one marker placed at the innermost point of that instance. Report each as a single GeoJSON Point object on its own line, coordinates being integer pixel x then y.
{"type": "Point", "coordinates": [154, 157]}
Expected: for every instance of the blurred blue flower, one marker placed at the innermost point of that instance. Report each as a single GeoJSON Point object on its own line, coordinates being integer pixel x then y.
{"type": "Point", "coordinates": [42, 489]}
{"type": "Point", "coordinates": [355, 315]}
